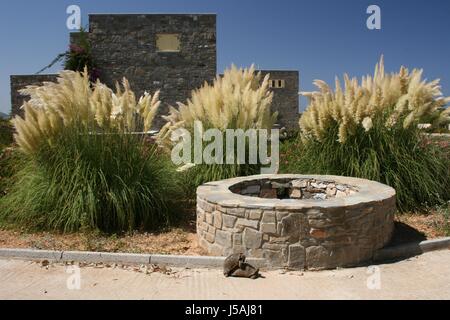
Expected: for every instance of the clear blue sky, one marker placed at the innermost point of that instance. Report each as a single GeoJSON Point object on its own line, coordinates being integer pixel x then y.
{"type": "Point", "coordinates": [320, 38]}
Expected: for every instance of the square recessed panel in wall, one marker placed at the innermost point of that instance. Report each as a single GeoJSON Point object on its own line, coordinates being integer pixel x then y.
{"type": "Point", "coordinates": [168, 42]}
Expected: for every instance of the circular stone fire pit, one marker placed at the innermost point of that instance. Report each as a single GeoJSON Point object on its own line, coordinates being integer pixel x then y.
{"type": "Point", "coordinates": [296, 221]}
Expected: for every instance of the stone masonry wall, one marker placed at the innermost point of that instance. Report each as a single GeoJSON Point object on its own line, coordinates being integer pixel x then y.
{"type": "Point", "coordinates": [311, 239]}
{"type": "Point", "coordinates": [286, 100]}
{"type": "Point", "coordinates": [124, 45]}
{"type": "Point", "coordinates": [19, 82]}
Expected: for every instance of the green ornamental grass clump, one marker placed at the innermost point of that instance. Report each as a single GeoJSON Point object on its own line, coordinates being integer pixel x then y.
{"type": "Point", "coordinates": [241, 99]}
{"type": "Point", "coordinates": [369, 130]}
{"type": "Point", "coordinates": [83, 167]}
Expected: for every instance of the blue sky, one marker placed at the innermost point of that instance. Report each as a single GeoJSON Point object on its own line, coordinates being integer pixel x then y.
{"type": "Point", "coordinates": [320, 38]}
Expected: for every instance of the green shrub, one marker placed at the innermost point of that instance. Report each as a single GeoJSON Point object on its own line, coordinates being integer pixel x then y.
{"type": "Point", "coordinates": [83, 167]}
{"type": "Point", "coordinates": [419, 173]}
{"type": "Point", "coordinates": [7, 156]}
{"type": "Point", "coordinates": [6, 134]}
{"type": "Point", "coordinates": [203, 173]}
{"type": "Point", "coordinates": [241, 99]}
{"type": "Point", "coordinates": [370, 131]}
{"type": "Point", "coordinates": [79, 56]}
{"type": "Point", "coordinates": [10, 162]}
{"type": "Point", "coordinates": [111, 182]}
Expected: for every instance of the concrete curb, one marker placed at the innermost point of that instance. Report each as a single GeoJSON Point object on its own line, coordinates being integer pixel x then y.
{"type": "Point", "coordinates": [390, 253]}
{"type": "Point", "coordinates": [121, 258]}
{"type": "Point", "coordinates": [411, 249]}
{"type": "Point", "coordinates": [28, 254]}
{"type": "Point", "coordinates": [104, 257]}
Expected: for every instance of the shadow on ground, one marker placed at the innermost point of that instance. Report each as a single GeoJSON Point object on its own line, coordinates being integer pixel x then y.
{"type": "Point", "coordinates": [404, 233]}
{"type": "Point", "coordinates": [405, 244]}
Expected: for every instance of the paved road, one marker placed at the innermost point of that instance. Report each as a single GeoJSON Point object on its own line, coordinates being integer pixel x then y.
{"type": "Point", "coordinates": [423, 277]}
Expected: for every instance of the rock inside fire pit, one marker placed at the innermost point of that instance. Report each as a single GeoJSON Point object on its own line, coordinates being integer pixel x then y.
{"type": "Point", "coordinates": [295, 189]}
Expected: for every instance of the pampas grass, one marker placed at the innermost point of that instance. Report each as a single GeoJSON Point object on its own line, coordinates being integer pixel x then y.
{"type": "Point", "coordinates": [73, 101]}
{"type": "Point", "coordinates": [369, 130]}
{"type": "Point", "coordinates": [108, 182]}
{"type": "Point", "coordinates": [404, 96]}
{"type": "Point", "coordinates": [241, 99]}
{"type": "Point", "coordinates": [83, 168]}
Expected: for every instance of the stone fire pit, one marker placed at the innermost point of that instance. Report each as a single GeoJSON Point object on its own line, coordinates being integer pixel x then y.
{"type": "Point", "coordinates": [296, 221]}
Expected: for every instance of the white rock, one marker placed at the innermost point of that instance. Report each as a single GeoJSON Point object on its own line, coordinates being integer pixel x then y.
{"type": "Point", "coordinates": [295, 194]}
{"type": "Point", "coordinates": [299, 183]}
{"type": "Point", "coordinates": [331, 192]}
{"type": "Point", "coordinates": [319, 185]}
{"type": "Point", "coordinates": [340, 194]}
{"type": "Point", "coordinates": [320, 196]}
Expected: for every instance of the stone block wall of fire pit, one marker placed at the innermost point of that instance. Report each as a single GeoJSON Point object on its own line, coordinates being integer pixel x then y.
{"type": "Point", "coordinates": [296, 221]}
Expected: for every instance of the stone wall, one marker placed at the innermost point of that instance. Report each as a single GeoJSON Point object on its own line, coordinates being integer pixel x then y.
{"type": "Point", "coordinates": [299, 234]}
{"type": "Point", "coordinates": [124, 45]}
{"type": "Point", "coordinates": [286, 100]}
{"type": "Point", "coordinates": [19, 82]}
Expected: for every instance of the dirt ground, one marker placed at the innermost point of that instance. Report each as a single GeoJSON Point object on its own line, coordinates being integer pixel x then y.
{"type": "Point", "coordinates": [175, 241]}
{"type": "Point", "coordinates": [183, 240]}
{"type": "Point", "coordinates": [431, 226]}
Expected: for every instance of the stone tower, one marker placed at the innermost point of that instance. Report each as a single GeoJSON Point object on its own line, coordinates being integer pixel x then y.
{"type": "Point", "coordinates": [175, 53]}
